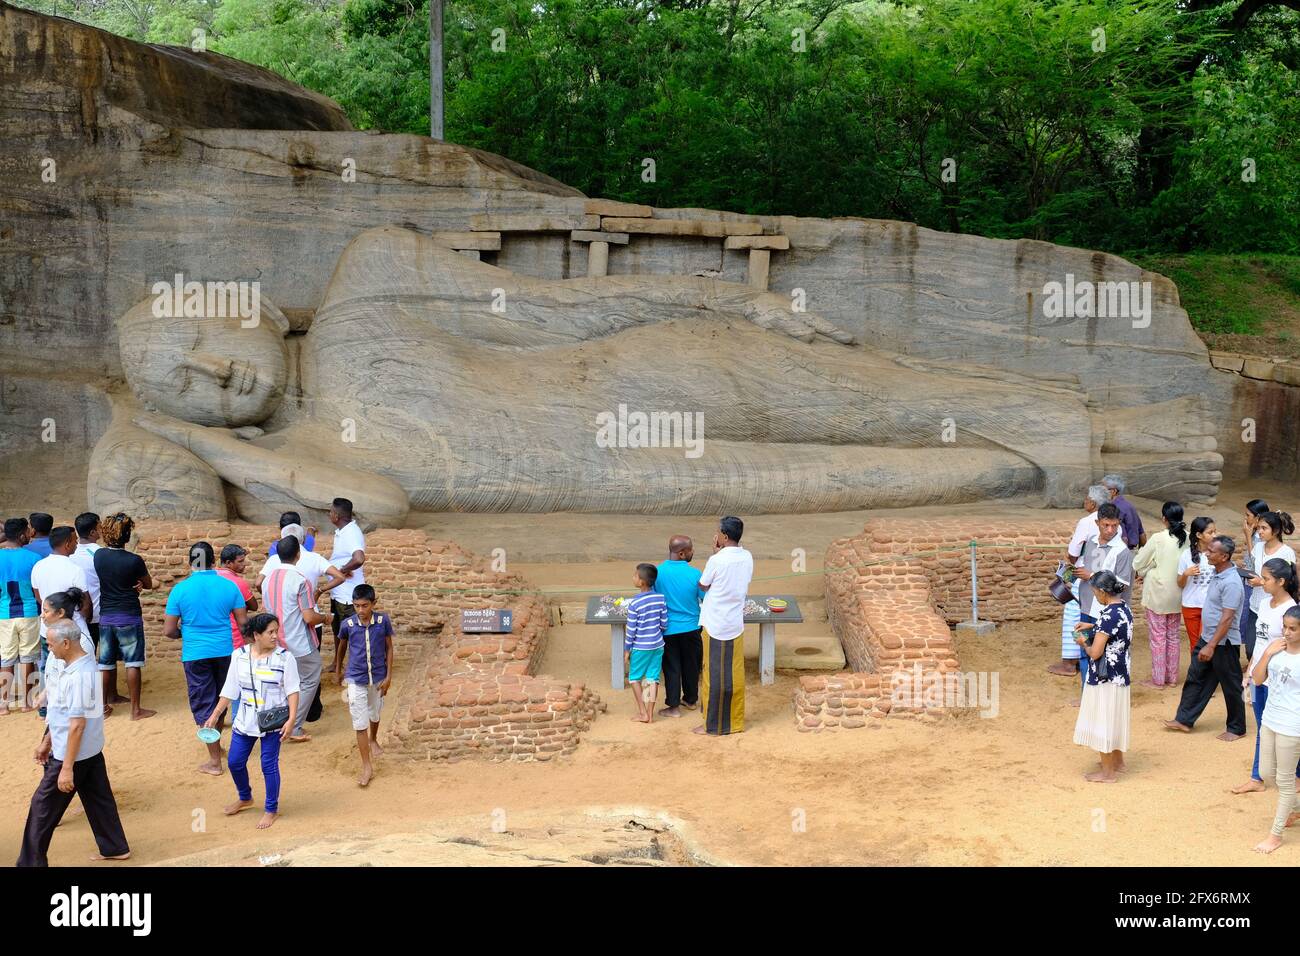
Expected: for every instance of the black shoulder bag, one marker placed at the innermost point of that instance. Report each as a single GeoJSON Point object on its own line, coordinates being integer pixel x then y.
{"type": "Point", "coordinates": [273, 718]}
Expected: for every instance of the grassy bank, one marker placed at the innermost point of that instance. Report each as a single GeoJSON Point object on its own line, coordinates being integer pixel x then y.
{"type": "Point", "coordinates": [1239, 303]}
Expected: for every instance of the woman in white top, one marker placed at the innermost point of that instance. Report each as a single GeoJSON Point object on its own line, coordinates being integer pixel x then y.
{"type": "Point", "coordinates": [1271, 528]}
{"type": "Point", "coordinates": [1194, 573]}
{"type": "Point", "coordinates": [1279, 667]}
{"type": "Point", "coordinates": [1282, 592]}
{"type": "Point", "coordinates": [262, 676]}
{"type": "Point", "coordinates": [1162, 595]}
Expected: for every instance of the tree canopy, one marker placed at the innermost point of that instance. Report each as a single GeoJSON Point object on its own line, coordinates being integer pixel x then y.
{"type": "Point", "coordinates": [1112, 124]}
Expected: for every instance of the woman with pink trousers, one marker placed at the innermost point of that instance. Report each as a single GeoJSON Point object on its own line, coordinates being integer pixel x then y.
{"type": "Point", "coordinates": [1162, 598]}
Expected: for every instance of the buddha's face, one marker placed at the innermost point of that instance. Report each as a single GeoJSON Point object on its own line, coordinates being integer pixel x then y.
{"type": "Point", "coordinates": [203, 369]}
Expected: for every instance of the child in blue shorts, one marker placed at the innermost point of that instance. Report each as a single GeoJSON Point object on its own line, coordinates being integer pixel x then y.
{"type": "Point", "coordinates": [643, 645]}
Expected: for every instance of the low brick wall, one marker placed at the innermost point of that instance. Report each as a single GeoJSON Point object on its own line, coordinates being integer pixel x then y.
{"type": "Point", "coordinates": [1014, 562]}
{"type": "Point", "coordinates": [464, 694]}
{"type": "Point", "coordinates": [470, 697]}
{"type": "Point", "coordinates": [892, 592]}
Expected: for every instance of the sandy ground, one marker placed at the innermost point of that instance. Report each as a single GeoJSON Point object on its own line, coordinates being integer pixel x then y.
{"type": "Point", "coordinates": [1006, 789]}
{"type": "Point", "coordinates": [968, 790]}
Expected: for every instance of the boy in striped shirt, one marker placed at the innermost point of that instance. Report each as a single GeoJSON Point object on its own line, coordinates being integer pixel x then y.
{"type": "Point", "coordinates": [643, 644]}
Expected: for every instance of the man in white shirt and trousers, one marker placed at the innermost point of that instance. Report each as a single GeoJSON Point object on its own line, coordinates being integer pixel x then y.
{"type": "Point", "coordinates": [725, 584]}
{"type": "Point", "coordinates": [72, 753]}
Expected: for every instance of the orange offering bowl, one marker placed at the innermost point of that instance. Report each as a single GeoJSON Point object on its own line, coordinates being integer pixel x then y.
{"type": "Point", "coordinates": [776, 605]}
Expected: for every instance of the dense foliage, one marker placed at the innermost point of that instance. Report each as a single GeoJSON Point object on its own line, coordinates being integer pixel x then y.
{"type": "Point", "coordinates": [1113, 124]}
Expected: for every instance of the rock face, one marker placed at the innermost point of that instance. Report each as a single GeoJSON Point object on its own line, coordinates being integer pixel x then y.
{"type": "Point", "coordinates": [128, 165]}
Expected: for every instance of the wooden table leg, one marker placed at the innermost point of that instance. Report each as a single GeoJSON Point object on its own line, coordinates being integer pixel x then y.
{"type": "Point", "coordinates": [616, 636]}
{"type": "Point", "coordinates": [767, 651]}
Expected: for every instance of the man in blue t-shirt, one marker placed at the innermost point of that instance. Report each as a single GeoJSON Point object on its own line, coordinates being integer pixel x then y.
{"type": "Point", "coordinates": [198, 613]}
{"type": "Point", "coordinates": [38, 538]}
{"type": "Point", "coordinates": [679, 583]}
{"type": "Point", "coordinates": [292, 517]}
{"type": "Point", "coordinates": [20, 623]}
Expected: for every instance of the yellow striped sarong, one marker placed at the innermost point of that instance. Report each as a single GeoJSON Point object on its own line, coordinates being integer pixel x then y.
{"type": "Point", "coordinates": [723, 697]}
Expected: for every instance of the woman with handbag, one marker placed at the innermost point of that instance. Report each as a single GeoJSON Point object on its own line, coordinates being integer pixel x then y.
{"type": "Point", "coordinates": [263, 678]}
{"type": "Point", "coordinates": [1103, 722]}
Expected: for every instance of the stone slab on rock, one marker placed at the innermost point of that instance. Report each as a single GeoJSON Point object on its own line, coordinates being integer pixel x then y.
{"type": "Point", "coordinates": [1227, 361]}
{"type": "Point", "coordinates": [708, 229]}
{"type": "Point", "coordinates": [589, 235]}
{"type": "Point", "coordinates": [476, 241]}
{"type": "Point", "coordinates": [1257, 368]}
{"type": "Point", "coordinates": [610, 207]}
{"type": "Point", "coordinates": [756, 242]}
{"type": "Point", "coordinates": [538, 223]}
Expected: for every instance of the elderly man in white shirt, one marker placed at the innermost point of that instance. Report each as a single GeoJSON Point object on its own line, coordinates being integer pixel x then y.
{"type": "Point", "coordinates": [1086, 527]}
{"type": "Point", "coordinates": [725, 583]}
{"type": "Point", "coordinates": [72, 754]}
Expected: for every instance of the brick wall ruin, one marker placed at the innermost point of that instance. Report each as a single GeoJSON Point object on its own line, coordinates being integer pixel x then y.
{"type": "Point", "coordinates": [892, 592]}
{"type": "Point", "coordinates": [461, 694]}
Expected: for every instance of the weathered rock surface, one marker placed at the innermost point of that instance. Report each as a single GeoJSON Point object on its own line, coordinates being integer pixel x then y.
{"type": "Point", "coordinates": [564, 840]}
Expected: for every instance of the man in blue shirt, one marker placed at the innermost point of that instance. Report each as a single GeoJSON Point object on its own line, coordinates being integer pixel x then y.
{"type": "Point", "coordinates": [38, 540]}
{"type": "Point", "coordinates": [198, 613]}
{"type": "Point", "coordinates": [20, 625]}
{"type": "Point", "coordinates": [1134, 534]}
{"type": "Point", "coordinates": [1217, 661]}
{"type": "Point", "coordinates": [679, 583]}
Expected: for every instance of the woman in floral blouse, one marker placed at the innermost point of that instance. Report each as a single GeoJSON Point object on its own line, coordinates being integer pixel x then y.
{"type": "Point", "coordinates": [1104, 711]}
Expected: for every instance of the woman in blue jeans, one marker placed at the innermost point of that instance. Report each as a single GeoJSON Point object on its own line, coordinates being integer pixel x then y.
{"type": "Point", "coordinates": [1282, 592]}
{"type": "Point", "coordinates": [262, 676]}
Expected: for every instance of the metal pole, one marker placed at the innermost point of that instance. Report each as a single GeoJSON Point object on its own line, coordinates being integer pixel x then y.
{"type": "Point", "coordinates": [974, 588]}
{"type": "Point", "coordinates": [435, 69]}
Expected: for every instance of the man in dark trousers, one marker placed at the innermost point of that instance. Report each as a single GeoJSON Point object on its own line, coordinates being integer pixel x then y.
{"type": "Point", "coordinates": [1217, 661]}
{"type": "Point", "coordinates": [679, 583]}
{"type": "Point", "coordinates": [72, 753]}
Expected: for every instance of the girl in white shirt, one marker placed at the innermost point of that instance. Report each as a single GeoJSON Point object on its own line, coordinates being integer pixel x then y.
{"type": "Point", "coordinates": [1271, 527]}
{"type": "Point", "coordinates": [1282, 593]}
{"type": "Point", "coordinates": [1194, 573]}
{"type": "Point", "coordinates": [1280, 668]}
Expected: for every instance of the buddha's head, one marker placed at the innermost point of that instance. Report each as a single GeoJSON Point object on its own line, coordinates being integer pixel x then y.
{"type": "Point", "coordinates": [218, 369]}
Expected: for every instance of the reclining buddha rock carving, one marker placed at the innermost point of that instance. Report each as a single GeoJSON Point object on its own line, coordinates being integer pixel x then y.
{"type": "Point", "coordinates": [471, 388]}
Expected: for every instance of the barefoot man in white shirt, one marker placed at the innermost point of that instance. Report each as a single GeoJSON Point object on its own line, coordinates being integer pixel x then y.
{"type": "Point", "coordinates": [725, 584]}
{"type": "Point", "coordinates": [348, 555]}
